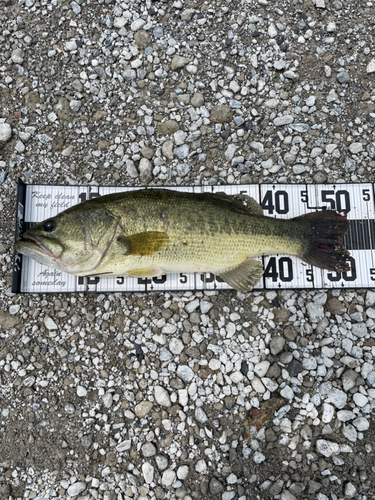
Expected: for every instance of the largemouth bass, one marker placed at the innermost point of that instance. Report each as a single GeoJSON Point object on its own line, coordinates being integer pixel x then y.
{"type": "Point", "coordinates": [145, 233]}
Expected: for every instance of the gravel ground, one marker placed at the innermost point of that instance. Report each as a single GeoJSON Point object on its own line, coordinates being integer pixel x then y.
{"type": "Point", "coordinates": [185, 395]}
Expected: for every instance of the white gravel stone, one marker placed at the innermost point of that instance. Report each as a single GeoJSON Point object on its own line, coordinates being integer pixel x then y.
{"type": "Point", "coordinates": [327, 448]}
{"type": "Point", "coordinates": [75, 105]}
{"type": "Point", "coordinates": [350, 490]}
{"type": "Point", "coordinates": [361, 424]}
{"type": "Point", "coordinates": [148, 450]}
{"type": "Point", "coordinates": [350, 432]}
{"type": "Point", "coordinates": [176, 346]}
{"type": "Point", "coordinates": [168, 477]}
{"type": "Point", "coordinates": [328, 413]}
{"type": "Point", "coordinates": [192, 306]}
{"type": "Point", "coordinates": [19, 147]}
{"type": "Point", "coordinates": [214, 364]}
{"type": "Point", "coordinates": [143, 408]}
{"type": "Point", "coordinates": [345, 415]}
{"type": "Point", "coordinates": [371, 66]}
{"type": "Point", "coordinates": [49, 323]}
{"type": "Point", "coordinates": [201, 466]}
{"type": "Point", "coordinates": [360, 399]}
{"type": "Point", "coordinates": [81, 391]}
{"type": "Point", "coordinates": [205, 306]}
{"type": "Point", "coordinates": [124, 446]}
{"type": "Point", "coordinates": [261, 368]}
{"type": "Point", "coordinates": [107, 400]}
{"type": "Point", "coordinates": [232, 479]}
{"type": "Point", "coordinates": [287, 393]}
{"type": "Point", "coordinates": [137, 25]}
{"type": "Point", "coordinates": [337, 397]}
{"type": "Point", "coordinates": [236, 377]}
{"type": "Point", "coordinates": [14, 309]}
{"type": "Point", "coordinates": [200, 416]}
{"type": "Point", "coordinates": [359, 330]}
{"type": "Point", "coordinates": [257, 146]}
{"type": "Point", "coordinates": [71, 45]}
{"type": "Point", "coordinates": [356, 147]}
{"type": "Point", "coordinates": [183, 397]}
{"type": "Point", "coordinates": [258, 457]}
{"type": "Point", "coordinates": [76, 488]}
{"type": "Point", "coordinates": [183, 472]}
{"type": "Point", "coordinates": [257, 385]}
{"type": "Point", "coordinates": [185, 373]}
{"type": "Point", "coordinates": [283, 120]}
{"type": "Point", "coordinates": [162, 396]}
{"type": "Point", "coordinates": [309, 363]}
{"type": "Point", "coordinates": [148, 472]}
{"type": "Point", "coordinates": [5, 132]}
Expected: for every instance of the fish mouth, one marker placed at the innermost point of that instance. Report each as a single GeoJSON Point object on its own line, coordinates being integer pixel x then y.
{"type": "Point", "coordinates": [35, 245]}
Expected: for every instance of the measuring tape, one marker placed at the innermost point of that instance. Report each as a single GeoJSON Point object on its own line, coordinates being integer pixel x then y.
{"type": "Point", "coordinates": [39, 202]}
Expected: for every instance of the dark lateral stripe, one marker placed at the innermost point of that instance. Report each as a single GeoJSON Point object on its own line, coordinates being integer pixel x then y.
{"type": "Point", "coordinates": [361, 235]}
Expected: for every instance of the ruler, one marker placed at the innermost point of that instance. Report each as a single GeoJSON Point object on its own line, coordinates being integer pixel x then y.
{"type": "Point", "coordinates": [38, 202]}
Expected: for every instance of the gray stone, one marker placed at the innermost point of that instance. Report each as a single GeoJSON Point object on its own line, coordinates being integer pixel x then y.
{"type": "Point", "coordinates": [215, 486]}
{"type": "Point", "coordinates": [221, 114]}
{"type": "Point", "coordinates": [291, 75]}
{"type": "Point", "coordinates": [178, 62]}
{"type": "Point", "coordinates": [148, 450]}
{"type": "Point", "coordinates": [294, 368]}
{"type": "Point", "coordinates": [315, 312]}
{"type": "Point", "coordinates": [197, 100]}
{"type": "Point", "coordinates": [277, 344]}
{"type": "Point", "coordinates": [279, 121]}
{"type": "Point", "coordinates": [300, 127]}
{"type": "Point", "coordinates": [343, 77]}
{"type": "Point", "coordinates": [145, 170]}
{"type": "Point", "coordinates": [18, 56]}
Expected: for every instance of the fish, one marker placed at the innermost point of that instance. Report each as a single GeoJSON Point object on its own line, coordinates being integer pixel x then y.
{"type": "Point", "coordinates": [150, 232]}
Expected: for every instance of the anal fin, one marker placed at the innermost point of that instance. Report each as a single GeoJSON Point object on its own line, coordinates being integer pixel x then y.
{"type": "Point", "coordinates": [145, 272]}
{"type": "Point", "coordinates": [245, 276]}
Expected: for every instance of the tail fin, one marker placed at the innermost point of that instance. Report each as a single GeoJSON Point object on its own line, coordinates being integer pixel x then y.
{"type": "Point", "coordinates": [323, 245]}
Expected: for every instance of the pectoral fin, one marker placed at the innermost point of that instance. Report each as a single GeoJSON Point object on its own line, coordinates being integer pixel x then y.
{"type": "Point", "coordinates": [146, 243]}
{"type": "Point", "coordinates": [245, 276]}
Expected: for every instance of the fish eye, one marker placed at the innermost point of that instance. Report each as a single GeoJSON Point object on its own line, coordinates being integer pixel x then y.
{"type": "Point", "coordinates": [49, 226]}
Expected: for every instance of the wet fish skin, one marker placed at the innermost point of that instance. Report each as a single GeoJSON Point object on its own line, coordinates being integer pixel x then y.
{"type": "Point", "coordinates": [155, 231]}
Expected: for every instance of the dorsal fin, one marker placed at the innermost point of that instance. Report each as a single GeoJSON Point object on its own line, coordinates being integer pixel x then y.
{"type": "Point", "coordinates": [241, 202]}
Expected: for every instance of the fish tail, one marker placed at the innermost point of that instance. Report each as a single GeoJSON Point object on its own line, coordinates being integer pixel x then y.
{"type": "Point", "coordinates": [323, 246]}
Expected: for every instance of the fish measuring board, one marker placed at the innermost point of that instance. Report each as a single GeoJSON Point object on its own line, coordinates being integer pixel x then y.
{"type": "Point", "coordinates": [38, 202]}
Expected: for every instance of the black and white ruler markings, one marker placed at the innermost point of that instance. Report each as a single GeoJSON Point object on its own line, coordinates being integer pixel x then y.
{"type": "Point", "coordinates": [280, 271]}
